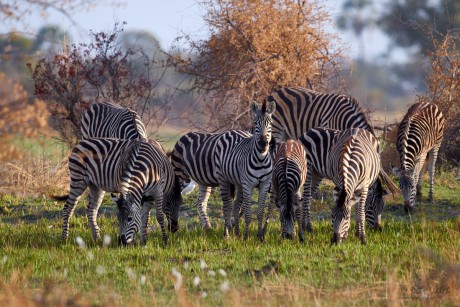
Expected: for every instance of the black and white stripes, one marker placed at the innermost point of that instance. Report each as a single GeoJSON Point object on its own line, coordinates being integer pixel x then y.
{"type": "Point", "coordinates": [350, 159]}
{"type": "Point", "coordinates": [246, 164]}
{"type": "Point", "coordinates": [419, 135]}
{"type": "Point", "coordinates": [137, 169]}
{"type": "Point", "coordinates": [107, 120]}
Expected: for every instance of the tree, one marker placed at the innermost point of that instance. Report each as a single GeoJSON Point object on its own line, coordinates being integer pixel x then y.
{"type": "Point", "coordinates": [99, 71]}
{"type": "Point", "coordinates": [15, 10]}
{"type": "Point", "coordinates": [253, 48]}
{"type": "Point", "coordinates": [444, 90]}
{"type": "Point", "coordinates": [408, 22]}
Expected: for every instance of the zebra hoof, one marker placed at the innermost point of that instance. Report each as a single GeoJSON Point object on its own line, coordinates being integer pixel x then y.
{"type": "Point", "coordinates": [363, 240]}
{"type": "Point", "coordinates": [301, 237]}
{"type": "Point", "coordinates": [431, 199]}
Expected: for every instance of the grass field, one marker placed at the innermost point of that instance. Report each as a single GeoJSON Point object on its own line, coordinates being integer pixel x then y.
{"type": "Point", "coordinates": [415, 259]}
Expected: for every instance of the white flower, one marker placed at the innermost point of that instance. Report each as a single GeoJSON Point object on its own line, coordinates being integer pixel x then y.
{"type": "Point", "coordinates": [65, 273]}
{"type": "Point", "coordinates": [178, 277]}
{"type": "Point", "coordinates": [130, 273]}
{"type": "Point", "coordinates": [100, 270]}
{"type": "Point", "coordinates": [222, 272]}
{"type": "Point", "coordinates": [106, 240]}
{"type": "Point", "coordinates": [4, 259]}
{"type": "Point", "coordinates": [196, 281]}
{"type": "Point", "coordinates": [204, 294]}
{"type": "Point", "coordinates": [211, 273]}
{"type": "Point", "coordinates": [203, 264]}
{"type": "Point", "coordinates": [186, 265]}
{"type": "Point", "coordinates": [90, 256]}
{"type": "Point", "coordinates": [224, 286]}
{"type": "Point", "coordinates": [80, 242]}
{"type": "Point", "coordinates": [143, 279]}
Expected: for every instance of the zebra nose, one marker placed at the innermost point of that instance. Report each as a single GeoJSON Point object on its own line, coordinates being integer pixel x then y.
{"type": "Point", "coordinates": [378, 227]}
{"type": "Point", "coordinates": [335, 238]}
{"type": "Point", "coordinates": [173, 226]}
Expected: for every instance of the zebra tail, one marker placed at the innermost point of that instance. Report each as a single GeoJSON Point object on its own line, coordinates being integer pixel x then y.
{"type": "Point", "coordinates": [59, 198]}
{"type": "Point", "coordinates": [389, 183]}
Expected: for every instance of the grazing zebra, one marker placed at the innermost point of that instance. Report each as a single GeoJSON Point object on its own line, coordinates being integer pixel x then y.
{"type": "Point", "coordinates": [351, 160]}
{"type": "Point", "coordinates": [289, 174]}
{"type": "Point", "coordinates": [193, 158]}
{"type": "Point", "coordinates": [107, 120]}
{"type": "Point", "coordinates": [299, 110]}
{"type": "Point", "coordinates": [246, 164]}
{"type": "Point", "coordinates": [138, 169]}
{"type": "Point", "coordinates": [419, 134]}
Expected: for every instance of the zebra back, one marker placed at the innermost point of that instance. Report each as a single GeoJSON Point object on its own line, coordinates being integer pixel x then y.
{"type": "Point", "coordinates": [193, 156]}
{"type": "Point", "coordinates": [299, 110]}
{"type": "Point", "coordinates": [108, 120]}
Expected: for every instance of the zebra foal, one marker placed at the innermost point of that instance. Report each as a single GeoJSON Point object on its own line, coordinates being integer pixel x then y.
{"type": "Point", "coordinates": [288, 177]}
{"type": "Point", "coordinates": [137, 169]}
{"type": "Point", "coordinates": [350, 159]}
{"type": "Point", "coordinates": [419, 135]}
{"type": "Point", "coordinates": [245, 164]}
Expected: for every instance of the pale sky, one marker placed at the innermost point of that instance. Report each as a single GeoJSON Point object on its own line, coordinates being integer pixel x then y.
{"type": "Point", "coordinates": [167, 19]}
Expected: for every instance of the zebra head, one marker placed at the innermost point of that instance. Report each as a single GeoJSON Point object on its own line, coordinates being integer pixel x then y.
{"type": "Point", "coordinates": [407, 186]}
{"type": "Point", "coordinates": [263, 124]}
{"type": "Point", "coordinates": [132, 222]}
{"type": "Point", "coordinates": [286, 205]}
{"type": "Point", "coordinates": [341, 214]}
{"type": "Point", "coordinates": [375, 204]}
{"type": "Point", "coordinates": [171, 205]}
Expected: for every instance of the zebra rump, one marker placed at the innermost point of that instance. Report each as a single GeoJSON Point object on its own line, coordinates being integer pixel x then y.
{"type": "Point", "coordinates": [288, 177]}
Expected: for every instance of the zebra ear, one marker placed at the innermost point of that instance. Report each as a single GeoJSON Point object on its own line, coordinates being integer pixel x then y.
{"type": "Point", "coordinates": [254, 107]}
{"type": "Point", "coordinates": [271, 107]}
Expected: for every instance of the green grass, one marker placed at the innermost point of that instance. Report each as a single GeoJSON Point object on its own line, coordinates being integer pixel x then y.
{"type": "Point", "coordinates": [414, 260]}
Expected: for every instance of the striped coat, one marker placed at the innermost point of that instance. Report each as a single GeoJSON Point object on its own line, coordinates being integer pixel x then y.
{"type": "Point", "coordinates": [419, 135]}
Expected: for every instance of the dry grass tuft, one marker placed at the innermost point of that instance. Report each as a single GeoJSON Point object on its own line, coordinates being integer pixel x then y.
{"type": "Point", "coordinates": [33, 176]}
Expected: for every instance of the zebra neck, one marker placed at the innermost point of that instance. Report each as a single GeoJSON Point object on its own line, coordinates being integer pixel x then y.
{"type": "Point", "coordinates": [260, 153]}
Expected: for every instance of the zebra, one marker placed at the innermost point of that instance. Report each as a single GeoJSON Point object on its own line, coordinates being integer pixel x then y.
{"type": "Point", "coordinates": [351, 160]}
{"type": "Point", "coordinates": [246, 164]}
{"type": "Point", "coordinates": [299, 110]}
{"type": "Point", "coordinates": [193, 158]}
{"type": "Point", "coordinates": [288, 177]}
{"type": "Point", "coordinates": [138, 169]}
{"type": "Point", "coordinates": [420, 135]}
{"type": "Point", "coordinates": [109, 120]}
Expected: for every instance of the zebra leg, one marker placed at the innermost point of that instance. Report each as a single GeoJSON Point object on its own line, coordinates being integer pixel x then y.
{"type": "Point", "coordinates": [94, 201]}
{"type": "Point", "coordinates": [246, 207]}
{"type": "Point", "coordinates": [362, 216]}
{"type": "Point", "coordinates": [76, 190]}
{"type": "Point", "coordinates": [202, 206]}
{"type": "Point", "coordinates": [298, 215]}
{"type": "Point", "coordinates": [263, 190]}
{"type": "Point", "coordinates": [432, 157]}
{"type": "Point", "coordinates": [145, 218]}
{"type": "Point", "coordinates": [237, 210]}
{"type": "Point", "coordinates": [227, 207]}
{"type": "Point", "coordinates": [418, 173]}
{"type": "Point", "coordinates": [315, 187]}
{"type": "Point", "coordinates": [160, 216]}
{"type": "Point", "coordinates": [271, 206]}
{"type": "Point", "coordinates": [306, 218]}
